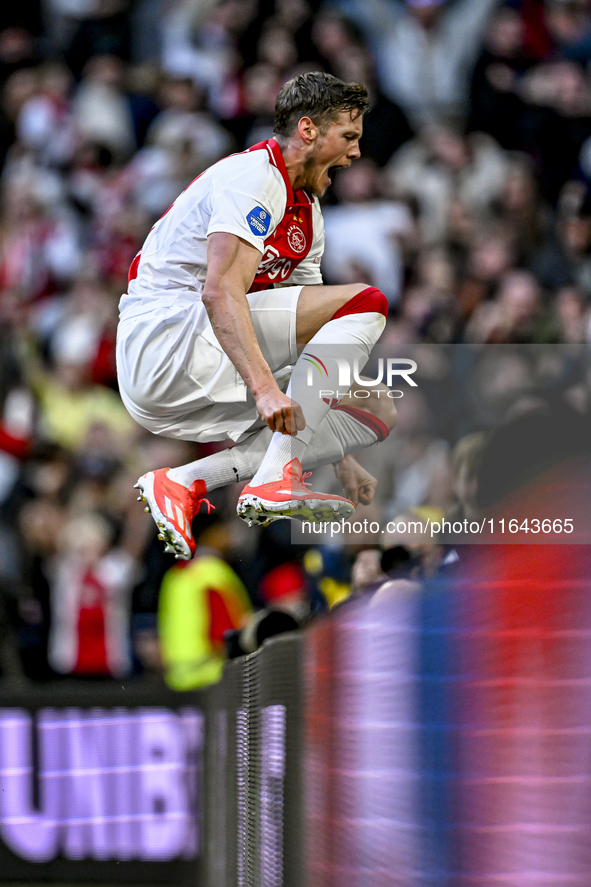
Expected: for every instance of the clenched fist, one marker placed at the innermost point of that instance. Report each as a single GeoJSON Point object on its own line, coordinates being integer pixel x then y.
{"type": "Point", "coordinates": [280, 412]}
{"type": "Point", "coordinates": [358, 484]}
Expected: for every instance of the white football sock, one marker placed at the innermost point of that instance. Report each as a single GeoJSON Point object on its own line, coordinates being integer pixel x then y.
{"type": "Point", "coordinates": [356, 334]}
{"type": "Point", "coordinates": [216, 470]}
{"type": "Point", "coordinates": [343, 430]}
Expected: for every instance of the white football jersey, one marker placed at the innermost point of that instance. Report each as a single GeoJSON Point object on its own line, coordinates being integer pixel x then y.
{"type": "Point", "coordinates": [249, 195]}
{"type": "Point", "coordinates": [174, 377]}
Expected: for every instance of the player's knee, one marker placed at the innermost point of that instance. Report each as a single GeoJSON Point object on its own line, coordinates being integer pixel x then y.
{"type": "Point", "coordinates": [391, 413]}
{"type": "Point", "coordinates": [379, 404]}
{"type": "Point", "coordinates": [363, 299]}
{"type": "Point", "coordinates": [384, 407]}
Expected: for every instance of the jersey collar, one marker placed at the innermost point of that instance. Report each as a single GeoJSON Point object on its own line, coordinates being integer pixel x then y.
{"type": "Point", "coordinates": [277, 160]}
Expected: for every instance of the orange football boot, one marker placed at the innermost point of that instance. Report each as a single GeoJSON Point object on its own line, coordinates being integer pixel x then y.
{"type": "Point", "coordinates": [290, 497]}
{"type": "Point", "coordinates": [173, 507]}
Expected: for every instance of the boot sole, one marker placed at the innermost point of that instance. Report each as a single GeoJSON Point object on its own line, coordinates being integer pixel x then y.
{"type": "Point", "coordinates": [261, 512]}
{"type": "Point", "coordinates": [175, 544]}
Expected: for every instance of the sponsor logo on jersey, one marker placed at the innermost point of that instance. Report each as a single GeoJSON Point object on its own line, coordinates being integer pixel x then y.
{"type": "Point", "coordinates": [274, 265]}
{"type": "Point", "coordinates": [259, 221]}
{"type": "Point", "coordinates": [286, 248]}
{"type": "Point", "coordinates": [296, 239]}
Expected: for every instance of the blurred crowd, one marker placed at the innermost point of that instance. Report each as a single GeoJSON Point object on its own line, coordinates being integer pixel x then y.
{"type": "Point", "coordinates": [470, 209]}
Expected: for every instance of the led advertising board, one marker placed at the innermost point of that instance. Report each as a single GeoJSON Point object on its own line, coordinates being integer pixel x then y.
{"type": "Point", "coordinates": [86, 789]}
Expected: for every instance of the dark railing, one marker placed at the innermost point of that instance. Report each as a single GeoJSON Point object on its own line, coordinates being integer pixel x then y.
{"type": "Point", "coordinates": [439, 738]}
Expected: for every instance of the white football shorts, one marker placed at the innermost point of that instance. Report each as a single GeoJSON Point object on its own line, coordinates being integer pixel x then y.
{"type": "Point", "coordinates": [174, 378]}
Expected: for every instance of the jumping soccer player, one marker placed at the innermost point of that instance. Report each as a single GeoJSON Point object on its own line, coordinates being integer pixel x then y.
{"type": "Point", "coordinates": [207, 341]}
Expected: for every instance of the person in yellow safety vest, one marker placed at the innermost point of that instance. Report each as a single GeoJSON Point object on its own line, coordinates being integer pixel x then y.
{"type": "Point", "coordinates": [199, 601]}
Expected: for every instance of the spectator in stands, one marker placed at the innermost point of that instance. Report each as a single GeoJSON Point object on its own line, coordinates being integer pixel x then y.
{"type": "Point", "coordinates": [285, 588]}
{"type": "Point", "coordinates": [102, 111]}
{"type": "Point", "coordinates": [45, 121]}
{"type": "Point", "coordinates": [39, 247]}
{"type": "Point", "coordinates": [482, 264]}
{"type": "Point", "coordinates": [514, 315]}
{"type": "Point", "coordinates": [199, 602]}
{"type": "Point", "coordinates": [41, 521]}
{"type": "Point", "coordinates": [556, 122]}
{"type": "Point", "coordinates": [496, 106]}
{"type": "Point", "coordinates": [70, 404]}
{"type": "Point", "coordinates": [277, 47]}
{"type": "Point", "coordinates": [184, 120]}
{"type": "Point", "coordinates": [415, 471]}
{"type": "Point", "coordinates": [19, 29]}
{"type": "Point", "coordinates": [465, 459]}
{"type": "Point", "coordinates": [564, 258]}
{"type": "Point", "coordinates": [569, 27]}
{"type": "Point", "coordinates": [385, 126]}
{"type": "Point", "coordinates": [255, 123]}
{"type": "Point", "coordinates": [93, 151]}
{"type": "Point", "coordinates": [335, 39]}
{"type": "Point", "coordinates": [520, 213]}
{"type": "Point", "coordinates": [284, 591]}
{"type": "Point", "coordinates": [366, 232]}
{"type": "Point", "coordinates": [88, 313]}
{"type": "Point", "coordinates": [200, 41]}
{"type": "Point", "coordinates": [442, 170]}
{"type": "Point", "coordinates": [571, 317]}
{"type": "Point", "coordinates": [100, 28]}
{"type": "Point", "coordinates": [423, 50]}
{"type": "Point", "coordinates": [90, 601]}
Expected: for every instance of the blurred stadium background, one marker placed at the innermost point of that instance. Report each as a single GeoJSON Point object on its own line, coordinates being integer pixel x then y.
{"type": "Point", "coordinates": [435, 730]}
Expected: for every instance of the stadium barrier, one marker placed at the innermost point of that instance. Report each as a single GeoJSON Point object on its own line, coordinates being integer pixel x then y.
{"type": "Point", "coordinates": [116, 783]}
{"type": "Point", "coordinates": [100, 782]}
{"type": "Point", "coordinates": [253, 763]}
{"type": "Point", "coordinates": [438, 737]}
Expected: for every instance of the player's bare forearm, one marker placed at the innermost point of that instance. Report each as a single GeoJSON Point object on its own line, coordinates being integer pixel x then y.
{"type": "Point", "coordinates": [231, 321]}
{"type": "Point", "coordinates": [232, 264]}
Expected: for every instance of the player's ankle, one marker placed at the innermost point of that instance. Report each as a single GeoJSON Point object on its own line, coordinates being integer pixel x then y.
{"type": "Point", "coordinates": [280, 452]}
{"type": "Point", "coordinates": [179, 476]}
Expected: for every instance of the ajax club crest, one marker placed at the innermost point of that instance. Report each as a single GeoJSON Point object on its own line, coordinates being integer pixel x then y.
{"type": "Point", "coordinates": [296, 239]}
